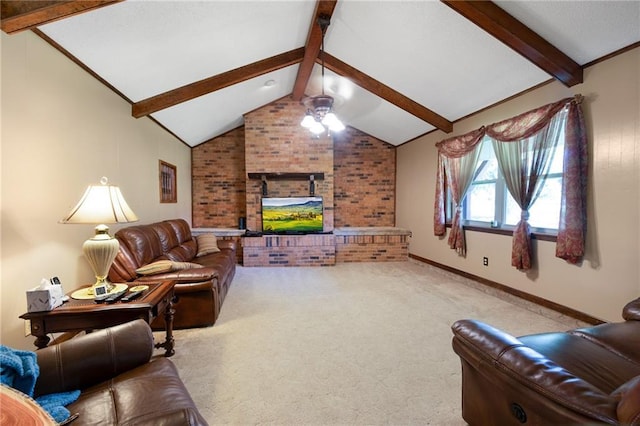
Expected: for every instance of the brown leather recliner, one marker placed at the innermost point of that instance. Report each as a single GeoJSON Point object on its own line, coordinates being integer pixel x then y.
{"type": "Point", "coordinates": [582, 376]}
{"type": "Point", "coordinates": [118, 384]}
{"type": "Point", "coordinates": [199, 291]}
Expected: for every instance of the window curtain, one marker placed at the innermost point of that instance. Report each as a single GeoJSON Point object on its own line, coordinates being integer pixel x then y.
{"type": "Point", "coordinates": [525, 164]}
{"type": "Point", "coordinates": [457, 160]}
{"type": "Point", "coordinates": [572, 223]}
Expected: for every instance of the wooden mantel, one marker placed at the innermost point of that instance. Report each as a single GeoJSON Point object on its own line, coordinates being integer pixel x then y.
{"type": "Point", "coordinates": [286, 176]}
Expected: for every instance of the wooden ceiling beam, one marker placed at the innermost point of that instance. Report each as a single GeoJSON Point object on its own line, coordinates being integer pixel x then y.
{"type": "Point", "coordinates": [217, 82]}
{"type": "Point", "coordinates": [387, 93]}
{"type": "Point", "coordinates": [312, 47]}
{"type": "Point", "coordinates": [20, 15]}
{"type": "Point", "coordinates": [494, 20]}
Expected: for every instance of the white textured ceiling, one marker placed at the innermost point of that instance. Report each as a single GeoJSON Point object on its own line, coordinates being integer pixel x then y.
{"type": "Point", "coordinates": [421, 49]}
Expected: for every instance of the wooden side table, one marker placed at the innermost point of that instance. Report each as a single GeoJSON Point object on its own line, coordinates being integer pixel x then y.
{"type": "Point", "coordinates": [86, 315]}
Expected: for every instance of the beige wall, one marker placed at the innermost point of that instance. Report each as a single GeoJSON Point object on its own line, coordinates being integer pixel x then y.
{"type": "Point", "coordinates": [62, 130]}
{"type": "Point", "coordinates": [609, 277]}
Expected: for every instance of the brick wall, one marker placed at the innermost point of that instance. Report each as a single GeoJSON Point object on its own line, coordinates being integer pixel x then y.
{"type": "Point", "coordinates": [359, 185]}
{"type": "Point", "coordinates": [218, 181]}
{"type": "Point", "coordinates": [372, 248]}
{"type": "Point", "coordinates": [275, 142]}
{"type": "Point", "coordinates": [365, 180]}
{"type": "Point", "coordinates": [295, 250]}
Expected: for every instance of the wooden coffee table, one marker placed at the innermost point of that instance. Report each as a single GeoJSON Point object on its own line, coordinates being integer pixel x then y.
{"type": "Point", "coordinates": [86, 315]}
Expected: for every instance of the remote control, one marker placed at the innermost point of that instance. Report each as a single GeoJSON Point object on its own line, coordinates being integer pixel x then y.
{"type": "Point", "coordinates": [100, 299]}
{"type": "Point", "coordinates": [115, 297]}
{"type": "Point", "coordinates": [131, 296]}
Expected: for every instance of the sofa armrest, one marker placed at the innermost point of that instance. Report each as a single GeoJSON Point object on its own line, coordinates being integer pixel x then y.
{"type": "Point", "coordinates": [495, 352]}
{"type": "Point", "coordinates": [227, 244]}
{"type": "Point", "coordinates": [629, 405]}
{"type": "Point", "coordinates": [93, 358]}
{"type": "Point", "coordinates": [631, 311]}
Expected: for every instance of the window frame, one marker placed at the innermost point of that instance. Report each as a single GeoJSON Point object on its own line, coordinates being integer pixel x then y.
{"type": "Point", "coordinates": [497, 226]}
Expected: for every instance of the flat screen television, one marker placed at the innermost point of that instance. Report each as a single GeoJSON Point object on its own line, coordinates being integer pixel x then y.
{"type": "Point", "coordinates": [291, 215]}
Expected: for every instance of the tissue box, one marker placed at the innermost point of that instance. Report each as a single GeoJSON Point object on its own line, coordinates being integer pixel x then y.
{"type": "Point", "coordinates": [46, 299]}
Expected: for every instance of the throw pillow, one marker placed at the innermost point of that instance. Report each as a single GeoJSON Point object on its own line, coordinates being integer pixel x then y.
{"type": "Point", "coordinates": [162, 266]}
{"type": "Point", "coordinates": [18, 408]}
{"type": "Point", "coordinates": [177, 266]}
{"type": "Point", "coordinates": [155, 268]}
{"type": "Point", "coordinates": [207, 244]}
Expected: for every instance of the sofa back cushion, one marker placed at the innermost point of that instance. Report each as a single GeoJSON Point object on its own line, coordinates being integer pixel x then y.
{"type": "Point", "coordinates": [139, 245]}
{"type": "Point", "coordinates": [186, 247]}
{"type": "Point", "coordinates": [124, 266]}
{"type": "Point", "coordinates": [143, 244]}
{"type": "Point", "coordinates": [167, 236]}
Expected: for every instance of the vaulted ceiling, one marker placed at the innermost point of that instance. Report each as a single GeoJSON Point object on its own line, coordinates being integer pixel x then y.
{"type": "Point", "coordinates": [397, 69]}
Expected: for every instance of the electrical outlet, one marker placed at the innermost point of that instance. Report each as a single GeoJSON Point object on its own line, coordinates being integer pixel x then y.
{"type": "Point", "coordinates": [27, 328]}
{"type": "Point", "coordinates": [485, 261]}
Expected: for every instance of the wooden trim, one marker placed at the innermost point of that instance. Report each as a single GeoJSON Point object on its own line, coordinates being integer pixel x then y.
{"type": "Point", "coordinates": [312, 47]}
{"type": "Point", "coordinates": [18, 15]}
{"type": "Point", "coordinates": [500, 231]}
{"type": "Point", "coordinates": [495, 21]}
{"type": "Point", "coordinates": [532, 88]}
{"type": "Point", "coordinates": [286, 176]}
{"type": "Point", "coordinates": [217, 82]}
{"type": "Point", "coordinates": [612, 54]}
{"type": "Point", "coordinates": [387, 93]}
{"type": "Point", "coordinates": [564, 310]}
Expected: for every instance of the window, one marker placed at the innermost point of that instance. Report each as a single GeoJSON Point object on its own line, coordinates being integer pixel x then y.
{"type": "Point", "coordinates": [489, 203]}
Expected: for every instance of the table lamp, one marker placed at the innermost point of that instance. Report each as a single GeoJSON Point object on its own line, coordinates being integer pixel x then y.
{"type": "Point", "coordinates": [101, 204]}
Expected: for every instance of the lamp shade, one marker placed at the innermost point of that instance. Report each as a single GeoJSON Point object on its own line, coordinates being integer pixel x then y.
{"type": "Point", "coordinates": [101, 204]}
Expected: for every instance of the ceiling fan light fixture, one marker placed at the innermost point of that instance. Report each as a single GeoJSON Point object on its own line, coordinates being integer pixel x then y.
{"type": "Point", "coordinates": [317, 128]}
{"type": "Point", "coordinates": [336, 126]}
{"type": "Point", "coordinates": [320, 116]}
{"type": "Point", "coordinates": [308, 120]}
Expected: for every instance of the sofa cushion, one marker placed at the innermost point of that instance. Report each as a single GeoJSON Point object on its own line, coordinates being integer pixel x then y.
{"type": "Point", "coordinates": [563, 347]}
{"type": "Point", "coordinates": [142, 241]}
{"type": "Point", "coordinates": [161, 266]}
{"type": "Point", "coordinates": [207, 244]}
{"type": "Point", "coordinates": [185, 252]}
{"type": "Point", "coordinates": [629, 405]}
{"type": "Point", "coordinates": [120, 400]}
{"type": "Point", "coordinates": [622, 339]}
{"type": "Point", "coordinates": [167, 236]}
{"type": "Point", "coordinates": [181, 228]}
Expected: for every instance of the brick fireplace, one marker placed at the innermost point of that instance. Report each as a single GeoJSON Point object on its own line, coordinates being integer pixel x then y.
{"type": "Point", "coordinates": [275, 142]}
{"type": "Point", "coordinates": [358, 188]}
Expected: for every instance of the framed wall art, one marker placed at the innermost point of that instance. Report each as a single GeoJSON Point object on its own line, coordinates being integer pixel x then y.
{"type": "Point", "coordinates": [168, 183]}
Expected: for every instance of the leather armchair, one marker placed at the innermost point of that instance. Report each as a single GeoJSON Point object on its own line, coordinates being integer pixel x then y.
{"type": "Point", "coordinates": [119, 385]}
{"type": "Point", "coordinates": [587, 375]}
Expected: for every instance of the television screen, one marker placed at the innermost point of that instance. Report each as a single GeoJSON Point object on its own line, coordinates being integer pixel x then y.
{"type": "Point", "coordinates": [292, 215]}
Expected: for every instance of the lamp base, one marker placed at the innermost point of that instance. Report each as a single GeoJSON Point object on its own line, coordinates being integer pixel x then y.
{"type": "Point", "coordinates": [100, 250]}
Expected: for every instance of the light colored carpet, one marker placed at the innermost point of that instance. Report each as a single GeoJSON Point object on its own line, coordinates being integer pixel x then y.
{"type": "Point", "coordinates": [354, 344]}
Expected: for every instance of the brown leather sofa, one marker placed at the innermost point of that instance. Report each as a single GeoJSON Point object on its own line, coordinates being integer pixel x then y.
{"type": "Point", "coordinates": [199, 291]}
{"type": "Point", "coordinates": [118, 383]}
{"type": "Point", "coordinates": [583, 376]}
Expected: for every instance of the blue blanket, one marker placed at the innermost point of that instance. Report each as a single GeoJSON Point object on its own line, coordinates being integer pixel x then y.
{"type": "Point", "coordinates": [19, 369]}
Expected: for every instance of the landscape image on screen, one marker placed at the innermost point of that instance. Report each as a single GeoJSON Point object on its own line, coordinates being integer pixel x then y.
{"type": "Point", "coordinates": [292, 214]}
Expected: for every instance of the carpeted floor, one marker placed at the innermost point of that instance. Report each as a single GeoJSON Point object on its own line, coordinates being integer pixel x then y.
{"type": "Point", "coordinates": [354, 344]}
